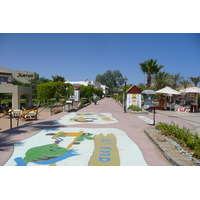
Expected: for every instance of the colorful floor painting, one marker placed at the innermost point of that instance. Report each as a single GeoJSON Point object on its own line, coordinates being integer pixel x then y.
{"type": "Point", "coordinates": [77, 147]}
{"type": "Point", "coordinates": [82, 118]}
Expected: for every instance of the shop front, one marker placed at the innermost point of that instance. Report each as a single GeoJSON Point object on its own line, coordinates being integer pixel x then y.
{"type": "Point", "coordinates": [189, 98]}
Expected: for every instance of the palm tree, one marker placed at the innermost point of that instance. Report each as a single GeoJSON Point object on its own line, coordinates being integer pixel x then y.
{"type": "Point", "coordinates": [175, 80]}
{"type": "Point", "coordinates": [150, 67]}
{"type": "Point", "coordinates": [43, 80]}
{"type": "Point", "coordinates": [195, 80]}
{"type": "Point", "coordinates": [161, 80]}
{"type": "Point", "coordinates": [58, 78]}
{"type": "Point", "coordinates": [184, 83]}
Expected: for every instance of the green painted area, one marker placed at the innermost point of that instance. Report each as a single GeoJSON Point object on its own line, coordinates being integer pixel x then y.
{"type": "Point", "coordinates": [45, 152]}
{"type": "Point", "coordinates": [83, 137]}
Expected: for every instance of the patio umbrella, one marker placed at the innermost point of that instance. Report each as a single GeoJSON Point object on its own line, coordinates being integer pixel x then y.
{"type": "Point", "coordinates": [167, 90]}
{"type": "Point", "coordinates": [190, 90]}
{"type": "Point", "coordinates": [148, 92]}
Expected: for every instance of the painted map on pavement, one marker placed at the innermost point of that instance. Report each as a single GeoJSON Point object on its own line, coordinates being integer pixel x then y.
{"type": "Point", "coordinates": [77, 147]}
{"type": "Point", "coordinates": [82, 118]}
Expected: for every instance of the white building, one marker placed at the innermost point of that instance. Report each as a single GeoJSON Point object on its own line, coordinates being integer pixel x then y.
{"type": "Point", "coordinates": [92, 83]}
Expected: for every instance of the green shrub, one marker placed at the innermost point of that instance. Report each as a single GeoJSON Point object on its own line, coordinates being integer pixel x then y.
{"type": "Point", "coordinates": [115, 96]}
{"type": "Point", "coordinates": [120, 99]}
{"type": "Point", "coordinates": [182, 136]}
{"type": "Point", "coordinates": [84, 101]}
{"type": "Point", "coordinates": [134, 108]}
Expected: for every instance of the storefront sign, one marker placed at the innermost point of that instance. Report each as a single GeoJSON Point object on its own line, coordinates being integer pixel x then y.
{"type": "Point", "coordinates": [25, 75]}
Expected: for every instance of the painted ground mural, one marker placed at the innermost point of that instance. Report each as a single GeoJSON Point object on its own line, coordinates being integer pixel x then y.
{"type": "Point", "coordinates": [82, 118]}
{"type": "Point", "coordinates": [77, 147]}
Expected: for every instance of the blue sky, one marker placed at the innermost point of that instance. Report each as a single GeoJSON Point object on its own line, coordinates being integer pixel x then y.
{"type": "Point", "coordinates": [81, 56]}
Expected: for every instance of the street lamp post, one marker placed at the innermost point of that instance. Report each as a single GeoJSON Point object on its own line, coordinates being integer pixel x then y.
{"type": "Point", "coordinates": [125, 80]}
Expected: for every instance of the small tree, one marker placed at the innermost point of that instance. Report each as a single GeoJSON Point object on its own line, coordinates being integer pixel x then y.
{"type": "Point", "coordinates": [58, 78]}
{"type": "Point", "coordinates": [60, 89]}
{"type": "Point", "coordinates": [45, 91]}
{"type": "Point", "coordinates": [98, 92]}
{"type": "Point", "coordinates": [86, 91]}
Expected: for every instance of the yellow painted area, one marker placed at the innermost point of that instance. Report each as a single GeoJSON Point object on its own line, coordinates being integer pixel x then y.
{"type": "Point", "coordinates": [77, 136]}
{"type": "Point", "coordinates": [105, 152]}
{"type": "Point", "coordinates": [69, 134]}
{"type": "Point", "coordinates": [105, 118]}
{"type": "Point", "coordinates": [59, 133]}
{"type": "Point", "coordinates": [52, 164]}
{"type": "Point", "coordinates": [78, 118]}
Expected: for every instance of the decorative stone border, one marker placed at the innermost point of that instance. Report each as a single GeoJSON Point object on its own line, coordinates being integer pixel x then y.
{"type": "Point", "coordinates": [138, 112]}
{"type": "Point", "coordinates": [134, 112]}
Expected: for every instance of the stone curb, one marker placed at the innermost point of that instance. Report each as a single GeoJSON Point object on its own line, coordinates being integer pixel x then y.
{"type": "Point", "coordinates": [169, 151]}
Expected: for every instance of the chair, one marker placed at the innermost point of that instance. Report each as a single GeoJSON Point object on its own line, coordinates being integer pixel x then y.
{"type": "Point", "coordinates": [172, 106]}
{"type": "Point", "coordinates": [5, 114]}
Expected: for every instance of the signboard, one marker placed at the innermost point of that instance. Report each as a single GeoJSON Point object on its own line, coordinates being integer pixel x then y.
{"type": "Point", "coordinates": [68, 101]}
{"type": "Point", "coordinates": [76, 95]}
{"type": "Point", "coordinates": [76, 92]}
{"type": "Point", "coordinates": [76, 86]}
{"type": "Point", "coordinates": [24, 76]}
{"type": "Point", "coordinates": [133, 99]}
{"type": "Point", "coordinates": [134, 102]}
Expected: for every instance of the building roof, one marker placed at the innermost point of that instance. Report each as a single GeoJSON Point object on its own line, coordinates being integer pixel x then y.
{"type": "Point", "coordinates": [133, 90]}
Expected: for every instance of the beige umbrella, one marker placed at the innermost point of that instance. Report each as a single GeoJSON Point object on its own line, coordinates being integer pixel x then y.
{"type": "Point", "coordinates": [167, 90]}
{"type": "Point", "coordinates": [190, 90]}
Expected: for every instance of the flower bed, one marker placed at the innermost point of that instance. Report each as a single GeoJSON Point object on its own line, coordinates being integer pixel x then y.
{"type": "Point", "coordinates": [182, 136]}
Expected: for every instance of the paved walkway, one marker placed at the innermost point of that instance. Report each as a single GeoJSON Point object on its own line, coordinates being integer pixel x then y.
{"type": "Point", "coordinates": [192, 118]}
{"type": "Point", "coordinates": [123, 139]}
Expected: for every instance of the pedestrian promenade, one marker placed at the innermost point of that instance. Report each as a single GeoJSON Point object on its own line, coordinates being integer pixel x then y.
{"type": "Point", "coordinates": [94, 135]}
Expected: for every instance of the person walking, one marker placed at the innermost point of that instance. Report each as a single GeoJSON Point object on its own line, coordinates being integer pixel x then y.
{"type": "Point", "coordinates": [95, 99]}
